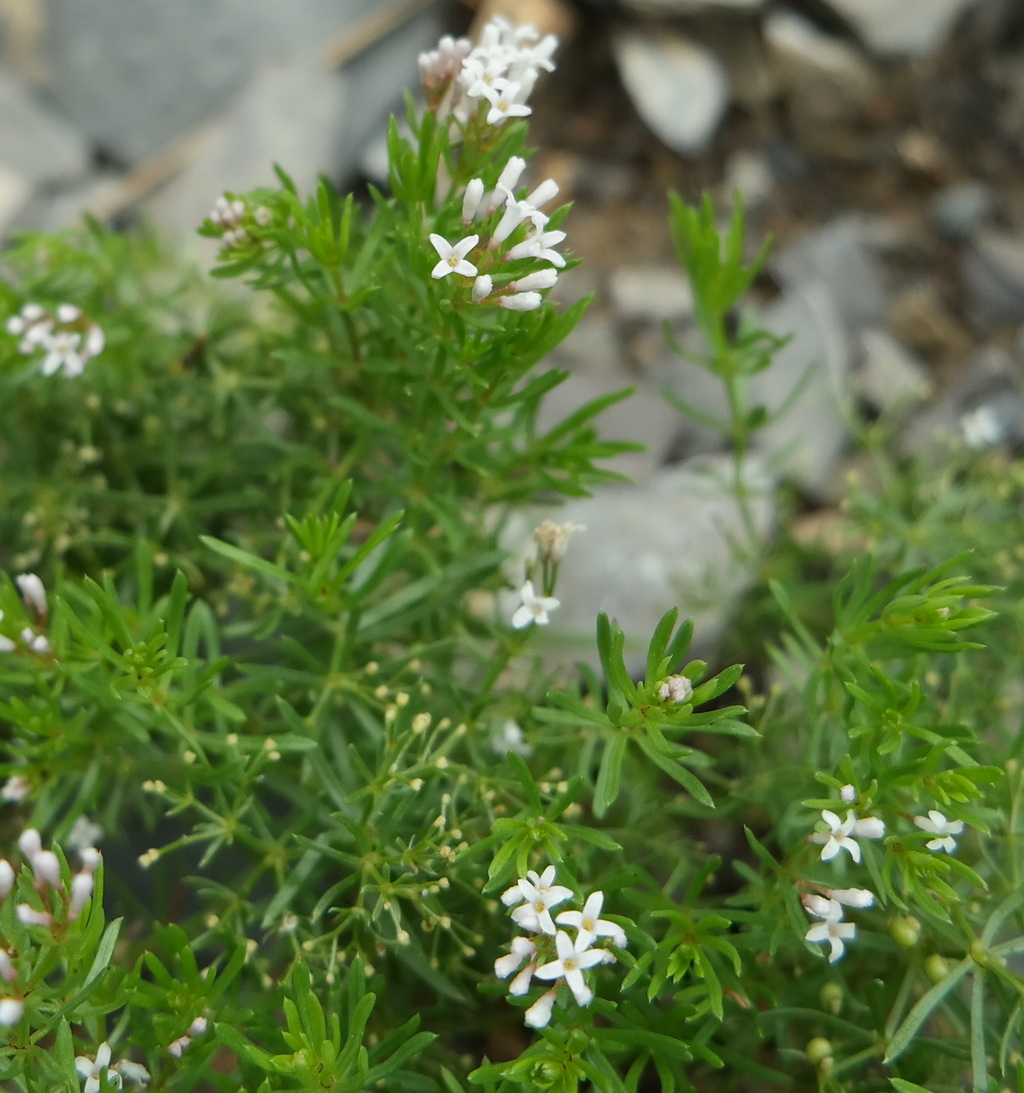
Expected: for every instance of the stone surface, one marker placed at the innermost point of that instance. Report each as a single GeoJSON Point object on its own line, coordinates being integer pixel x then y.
{"type": "Point", "coordinates": [679, 88]}
{"type": "Point", "coordinates": [993, 268]}
{"type": "Point", "coordinates": [890, 377]}
{"type": "Point", "coordinates": [677, 541]}
{"type": "Point", "coordinates": [168, 67]}
{"type": "Point", "coordinates": [15, 191]}
{"type": "Point", "coordinates": [36, 142]}
{"type": "Point", "coordinates": [836, 257]}
{"type": "Point", "coordinates": [829, 83]}
{"type": "Point", "coordinates": [960, 209]}
{"type": "Point", "coordinates": [805, 444]}
{"type": "Point", "coordinates": [650, 292]}
{"type": "Point", "coordinates": [907, 28]}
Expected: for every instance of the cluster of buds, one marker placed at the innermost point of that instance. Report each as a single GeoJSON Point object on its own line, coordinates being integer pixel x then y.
{"type": "Point", "coordinates": [197, 1028]}
{"type": "Point", "coordinates": [49, 887]}
{"type": "Point", "coordinates": [552, 541]}
{"type": "Point", "coordinates": [68, 337]}
{"type": "Point", "coordinates": [33, 594]}
{"type": "Point", "coordinates": [546, 953]}
{"type": "Point", "coordinates": [231, 219]}
{"type": "Point", "coordinates": [491, 80]}
{"type": "Point", "coordinates": [515, 228]}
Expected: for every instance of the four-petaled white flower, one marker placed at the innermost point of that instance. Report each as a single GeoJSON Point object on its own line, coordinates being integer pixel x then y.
{"type": "Point", "coordinates": [944, 830]}
{"type": "Point", "coordinates": [534, 914]}
{"type": "Point", "coordinates": [504, 100]}
{"type": "Point", "coordinates": [574, 957]}
{"type": "Point", "coordinates": [453, 257]}
{"type": "Point", "coordinates": [590, 925]}
{"type": "Point", "coordinates": [533, 608]}
{"type": "Point", "coordinates": [835, 931]}
{"type": "Point", "coordinates": [91, 1069]}
{"type": "Point", "coordinates": [840, 833]}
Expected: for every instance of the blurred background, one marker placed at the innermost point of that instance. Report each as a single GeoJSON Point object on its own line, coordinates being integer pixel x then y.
{"type": "Point", "coordinates": [880, 143]}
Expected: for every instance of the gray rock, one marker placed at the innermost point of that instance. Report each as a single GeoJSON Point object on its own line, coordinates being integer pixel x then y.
{"type": "Point", "coordinates": [836, 256]}
{"type": "Point", "coordinates": [993, 268]}
{"type": "Point", "coordinates": [903, 28]}
{"type": "Point", "coordinates": [679, 88]}
{"type": "Point", "coordinates": [960, 209]}
{"type": "Point", "coordinates": [15, 191]}
{"type": "Point", "coordinates": [677, 541]}
{"type": "Point", "coordinates": [36, 142]}
{"type": "Point", "coordinates": [63, 208]}
{"type": "Point", "coordinates": [654, 293]}
{"type": "Point", "coordinates": [890, 377]}
{"type": "Point", "coordinates": [750, 174]}
{"type": "Point", "coordinates": [806, 443]}
{"type": "Point", "coordinates": [168, 67]}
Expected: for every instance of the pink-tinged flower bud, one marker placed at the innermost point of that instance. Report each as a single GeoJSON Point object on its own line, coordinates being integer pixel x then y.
{"type": "Point", "coordinates": [33, 592]}
{"type": "Point", "coordinates": [11, 1010]}
{"type": "Point", "coordinates": [176, 1047]}
{"type": "Point", "coordinates": [46, 866]}
{"type": "Point", "coordinates": [543, 278]}
{"type": "Point", "coordinates": [7, 969]}
{"type": "Point", "coordinates": [521, 301]}
{"type": "Point", "coordinates": [91, 858]}
{"type": "Point", "coordinates": [848, 794]}
{"type": "Point", "coordinates": [29, 916]}
{"type": "Point", "coordinates": [81, 889]}
{"type": "Point", "coordinates": [30, 843]}
{"type": "Point", "coordinates": [6, 878]}
{"type": "Point", "coordinates": [198, 1026]}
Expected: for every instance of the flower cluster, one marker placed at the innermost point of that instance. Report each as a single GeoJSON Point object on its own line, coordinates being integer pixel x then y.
{"type": "Point", "coordinates": [231, 219]}
{"type": "Point", "coordinates": [33, 594]}
{"type": "Point", "coordinates": [197, 1028]}
{"type": "Point", "coordinates": [49, 886]}
{"type": "Point", "coordinates": [491, 80]}
{"type": "Point", "coordinates": [516, 231]}
{"type": "Point", "coordinates": [68, 337]}
{"type": "Point", "coordinates": [550, 954]}
{"type": "Point", "coordinates": [92, 1070]}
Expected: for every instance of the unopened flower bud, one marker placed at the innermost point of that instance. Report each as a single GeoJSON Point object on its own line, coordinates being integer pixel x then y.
{"type": "Point", "coordinates": [6, 878]}
{"type": "Point", "coordinates": [81, 889]}
{"type": "Point", "coordinates": [819, 1052]}
{"type": "Point", "coordinates": [936, 967]}
{"type": "Point", "coordinates": [521, 301]}
{"type": "Point", "coordinates": [11, 1010]}
{"type": "Point", "coordinates": [905, 930]}
{"type": "Point", "coordinates": [29, 916]}
{"type": "Point", "coordinates": [33, 592]}
{"type": "Point", "coordinates": [46, 867]}
{"type": "Point", "coordinates": [831, 997]}
{"type": "Point", "coordinates": [30, 843]}
{"type": "Point", "coordinates": [7, 969]}
{"type": "Point", "coordinates": [848, 794]}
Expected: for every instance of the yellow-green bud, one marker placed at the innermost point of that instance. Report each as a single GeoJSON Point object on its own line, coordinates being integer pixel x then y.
{"type": "Point", "coordinates": [936, 967]}
{"type": "Point", "coordinates": [832, 995]}
{"type": "Point", "coordinates": [905, 931]}
{"type": "Point", "coordinates": [819, 1052]}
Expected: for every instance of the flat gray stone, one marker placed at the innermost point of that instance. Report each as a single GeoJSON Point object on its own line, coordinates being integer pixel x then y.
{"type": "Point", "coordinates": [15, 191]}
{"type": "Point", "coordinates": [654, 293]}
{"type": "Point", "coordinates": [677, 541]}
{"type": "Point", "coordinates": [960, 209]}
{"type": "Point", "coordinates": [807, 442]}
{"type": "Point", "coordinates": [902, 28]}
{"type": "Point", "coordinates": [993, 268]}
{"type": "Point", "coordinates": [167, 67]}
{"type": "Point", "coordinates": [837, 257]}
{"type": "Point", "coordinates": [36, 142]}
{"type": "Point", "coordinates": [679, 88]}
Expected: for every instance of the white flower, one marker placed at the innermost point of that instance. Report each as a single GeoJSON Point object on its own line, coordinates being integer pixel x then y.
{"type": "Point", "coordinates": [848, 794]}
{"type": "Point", "coordinates": [81, 889]}
{"type": "Point", "coordinates": [471, 199]}
{"type": "Point", "coordinates": [33, 592]}
{"type": "Point", "coordinates": [29, 842]}
{"type": "Point", "coordinates": [521, 301]}
{"type": "Point", "coordinates": [937, 824]}
{"type": "Point", "coordinates": [453, 258]}
{"type": "Point", "coordinates": [573, 959]}
{"type": "Point", "coordinates": [851, 897]}
{"type": "Point", "coordinates": [62, 351]}
{"type": "Point", "coordinates": [504, 100]}
{"type": "Point", "coordinates": [29, 916]}
{"type": "Point", "coordinates": [515, 213]}
{"type": "Point", "coordinates": [483, 286]}
{"type": "Point", "coordinates": [509, 737]}
{"type": "Point", "coordinates": [522, 949]}
{"type": "Point", "coordinates": [835, 932]}
{"type": "Point", "coordinates": [46, 867]}
{"type": "Point", "coordinates": [16, 788]}
{"type": "Point", "coordinates": [84, 833]}
{"type": "Point", "coordinates": [11, 1010]}
{"type": "Point", "coordinates": [534, 914]}
{"type": "Point", "coordinates": [539, 245]}
{"type": "Point", "coordinates": [136, 1073]}
{"type": "Point", "coordinates": [543, 881]}
{"type": "Point", "coordinates": [839, 835]}
{"type": "Point", "coordinates": [6, 878]}
{"type": "Point", "coordinates": [539, 1014]}
{"type": "Point", "coordinates": [91, 1070]}
{"type": "Point", "coordinates": [545, 192]}
{"type": "Point", "coordinates": [534, 608]}
{"type": "Point", "coordinates": [675, 689]}
{"type": "Point", "coordinates": [822, 907]}
{"type": "Point", "coordinates": [590, 925]}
